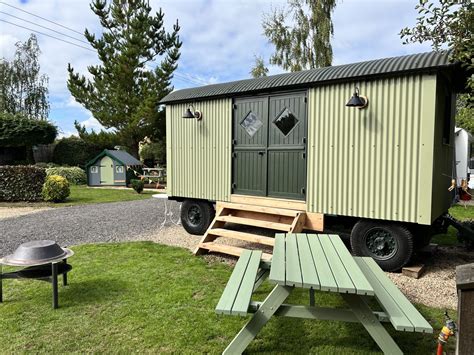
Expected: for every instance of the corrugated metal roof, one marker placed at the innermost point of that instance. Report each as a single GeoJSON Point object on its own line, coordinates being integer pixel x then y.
{"type": "Point", "coordinates": [378, 67]}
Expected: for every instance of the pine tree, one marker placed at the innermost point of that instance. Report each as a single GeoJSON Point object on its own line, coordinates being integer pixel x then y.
{"type": "Point", "coordinates": [126, 87]}
{"type": "Point", "coordinates": [305, 43]}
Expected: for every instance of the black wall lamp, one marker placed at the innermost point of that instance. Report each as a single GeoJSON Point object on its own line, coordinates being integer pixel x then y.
{"type": "Point", "coordinates": [357, 100]}
{"type": "Point", "coordinates": [188, 114]}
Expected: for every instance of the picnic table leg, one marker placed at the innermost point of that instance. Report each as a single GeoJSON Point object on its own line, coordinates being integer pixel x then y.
{"type": "Point", "coordinates": [269, 306]}
{"type": "Point", "coordinates": [370, 322]}
{"type": "Point", "coordinates": [312, 302]}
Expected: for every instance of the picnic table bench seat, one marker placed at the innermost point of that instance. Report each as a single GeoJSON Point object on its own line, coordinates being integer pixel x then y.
{"type": "Point", "coordinates": [317, 262]}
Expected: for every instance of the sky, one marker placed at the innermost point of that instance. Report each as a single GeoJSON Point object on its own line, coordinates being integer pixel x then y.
{"type": "Point", "coordinates": [220, 40]}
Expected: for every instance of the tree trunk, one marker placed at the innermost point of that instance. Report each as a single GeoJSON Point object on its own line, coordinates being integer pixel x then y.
{"type": "Point", "coordinates": [134, 149]}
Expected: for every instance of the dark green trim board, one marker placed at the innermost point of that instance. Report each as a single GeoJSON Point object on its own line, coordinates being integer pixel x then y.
{"type": "Point", "coordinates": [414, 63]}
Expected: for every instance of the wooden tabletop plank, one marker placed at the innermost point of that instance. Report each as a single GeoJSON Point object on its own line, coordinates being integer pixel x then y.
{"type": "Point", "coordinates": [360, 282]}
{"type": "Point", "coordinates": [230, 292]}
{"type": "Point", "coordinates": [293, 268]}
{"type": "Point", "coordinates": [308, 269]}
{"type": "Point", "coordinates": [278, 268]}
{"type": "Point", "coordinates": [244, 295]}
{"type": "Point", "coordinates": [326, 278]}
{"type": "Point", "coordinates": [344, 282]}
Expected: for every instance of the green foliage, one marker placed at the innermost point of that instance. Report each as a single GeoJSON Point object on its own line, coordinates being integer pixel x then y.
{"type": "Point", "coordinates": [259, 69]}
{"type": "Point", "coordinates": [18, 131]}
{"type": "Point", "coordinates": [154, 151]}
{"type": "Point", "coordinates": [101, 140]}
{"type": "Point", "coordinates": [55, 188]}
{"type": "Point", "coordinates": [21, 183]}
{"type": "Point", "coordinates": [301, 34]}
{"type": "Point", "coordinates": [124, 91]}
{"type": "Point", "coordinates": [137, 185]}
{"type": "Point", "coordinates": [464, 113]}
{"type": "Point", "coordinates": [447, 23]}
{"type": "Point", "coordinates": [23, 90]}
{"type": "Point", "coordinates": [73, 151]}
{"type": "Point", "coordinates": [74, 175]}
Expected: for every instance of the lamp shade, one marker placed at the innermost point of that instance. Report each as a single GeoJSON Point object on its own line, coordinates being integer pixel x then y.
{"type": "Point", "coordinates": [356, 101]}
{"type": "Point", "coordinates": [188, 113]}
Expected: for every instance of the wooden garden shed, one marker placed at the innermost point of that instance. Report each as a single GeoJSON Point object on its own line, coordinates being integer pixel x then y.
{"type": "Point", "coordinates": [111, 168]}
{"type": "Point", "coordinates": [259, 148]}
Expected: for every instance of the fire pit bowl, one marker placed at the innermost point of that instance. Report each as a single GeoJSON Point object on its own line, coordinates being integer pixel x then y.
{"type": "Point", "coordinates": [37, 253]}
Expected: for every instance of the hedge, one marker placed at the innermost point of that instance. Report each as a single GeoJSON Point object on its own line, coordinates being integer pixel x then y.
{"type": "Point", "coordinates": [73, 151]}
{"type": "Point", "coordinates": [17, 131]}
{"type": "Point", "coordinates": [56, 188]}
{"type": "Point", "coordinates": [21, 183]}
{"type": "Point", "coordinates": [74, 175]}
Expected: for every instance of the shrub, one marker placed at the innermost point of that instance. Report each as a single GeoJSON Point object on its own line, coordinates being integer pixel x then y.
{"type": "Point", "coordinates": [74, 175]}
{"type": "Point", "coordinates": [56, 188]}
{"type": "Point", "coordinates": [138, 185]}
{"type": "Point", "coordinates": [21, 183]}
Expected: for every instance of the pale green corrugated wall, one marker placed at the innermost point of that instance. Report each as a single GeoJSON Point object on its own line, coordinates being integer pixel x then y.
{"type": "Point", "coordinates": [377, 162]}
{"type": "Point", "coordinates": [199, 152]}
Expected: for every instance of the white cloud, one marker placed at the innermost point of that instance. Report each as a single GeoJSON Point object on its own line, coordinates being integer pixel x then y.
{"type": "Point", "coordinates": [92, 123]}
{"type": "Point", "coordinates": [66, 134]}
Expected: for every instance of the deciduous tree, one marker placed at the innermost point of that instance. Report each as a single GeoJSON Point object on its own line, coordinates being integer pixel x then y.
{"type": "Point", "coordinates": [301, 34]}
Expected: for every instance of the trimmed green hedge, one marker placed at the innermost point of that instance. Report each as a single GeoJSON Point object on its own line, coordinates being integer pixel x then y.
{"type": "Point", "coordinates": [73, 151]}
{"type": "Point", "coordinates": [75, 175]}
{"type": "Point", "coordinates": [17, 131]}
{"type": "Point", "coordinates": [21, 183]}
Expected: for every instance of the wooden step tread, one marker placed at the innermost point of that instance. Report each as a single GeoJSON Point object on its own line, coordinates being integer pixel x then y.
{"type": "Point", "coordinates": [255, 223]}
{"type": "Point", "coordinates": [229, 250]}
{"type": "Point", "coordinates": [248, 237]}
{"type": "Point", "coordinates": [260, 209]}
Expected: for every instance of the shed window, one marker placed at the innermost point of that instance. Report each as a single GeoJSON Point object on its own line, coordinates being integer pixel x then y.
{"type": "Point", "coordinates": [285, 121]}
{"type": "Point", "coordinates": [94, 169]}
{"type": "Point", "coordinates": [119, 169]}
{"type": "Point", "coordinates": [251, 123]}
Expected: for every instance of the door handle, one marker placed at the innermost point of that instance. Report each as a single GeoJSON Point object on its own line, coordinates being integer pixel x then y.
{"type": "Point", "coordinates": [261, 153]}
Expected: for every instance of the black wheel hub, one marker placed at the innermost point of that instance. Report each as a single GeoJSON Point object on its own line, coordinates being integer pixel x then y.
{"type": "Point", "coordinates": [194, 215]}
{"type": "Point", "coordinates": [380, 244]}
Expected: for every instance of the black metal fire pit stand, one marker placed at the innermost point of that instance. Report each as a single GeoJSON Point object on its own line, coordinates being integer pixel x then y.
{"type": "Point", "coordinates": [45, 272]}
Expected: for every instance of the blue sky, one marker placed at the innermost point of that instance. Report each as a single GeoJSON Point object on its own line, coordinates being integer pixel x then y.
{"type": "Point", "coordinates": [220, 39]}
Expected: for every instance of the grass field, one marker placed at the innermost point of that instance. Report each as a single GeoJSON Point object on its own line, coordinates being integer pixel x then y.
{"type": "Point", "coordinates": [82, 194]}
{"type": "Point", "coordinates": [144, 297]}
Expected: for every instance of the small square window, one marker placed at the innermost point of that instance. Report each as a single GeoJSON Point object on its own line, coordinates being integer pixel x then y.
{"type": "Point", "coordinates": [119, 169]}
{"type": "Point", "coordinates": [251, 123]}
{"type": "Point", "coordinates": [286, 121]}
{"type": "Point", "coordinates": [94, 169]}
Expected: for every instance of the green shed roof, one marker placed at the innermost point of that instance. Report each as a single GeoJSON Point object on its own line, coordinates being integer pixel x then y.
{"type": "Point", "coordinates": [120, 156]}
{"type": "Point", "coordinates": [379, 67]}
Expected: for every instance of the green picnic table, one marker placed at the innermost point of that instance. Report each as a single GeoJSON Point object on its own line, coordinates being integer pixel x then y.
{"type": "Point", "coordinates": [317, 262]}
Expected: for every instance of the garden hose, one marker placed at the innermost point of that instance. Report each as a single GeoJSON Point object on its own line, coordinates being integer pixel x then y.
{"type": "Point", "coordinates": [449, 329]}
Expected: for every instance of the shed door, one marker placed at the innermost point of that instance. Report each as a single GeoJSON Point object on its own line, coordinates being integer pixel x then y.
{"type": "Point", "coordinates": [106, 171]}
{"type": "Point", "coordinates": [270, 146]}
{"type": "Point", "coordinates": [250, 145]}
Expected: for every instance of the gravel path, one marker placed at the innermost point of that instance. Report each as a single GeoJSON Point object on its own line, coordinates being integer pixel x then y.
{"type": "Point", "coordinates": [95, 223]}
{"type": "Point", "coordinates": [142, 220]}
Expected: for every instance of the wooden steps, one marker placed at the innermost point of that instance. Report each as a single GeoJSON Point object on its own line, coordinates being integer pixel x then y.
{"type": "Point", "coordinates": [289, 220]}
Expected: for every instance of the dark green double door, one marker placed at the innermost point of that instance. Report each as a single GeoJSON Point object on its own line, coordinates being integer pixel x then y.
{"type": "Point", "coordinates": [269, 146]}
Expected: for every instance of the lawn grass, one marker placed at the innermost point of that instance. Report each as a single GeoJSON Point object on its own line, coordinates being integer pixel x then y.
{"type": "Point", "coordinates": [81, 194]}
{"type": "Point", "coordinates": [146, 297]}
{"type": "Point", "coordinates": [461, 213]}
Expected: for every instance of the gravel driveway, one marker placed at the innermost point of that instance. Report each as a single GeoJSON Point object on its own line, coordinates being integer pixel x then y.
{"type": "Point", "coordinates": [95, 223]}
